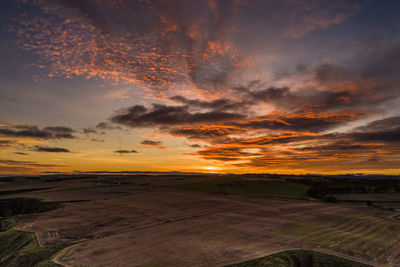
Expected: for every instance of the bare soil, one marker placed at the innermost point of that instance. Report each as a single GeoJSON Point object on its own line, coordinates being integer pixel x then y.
{"type": "Point", "coordinates": [144, 223]}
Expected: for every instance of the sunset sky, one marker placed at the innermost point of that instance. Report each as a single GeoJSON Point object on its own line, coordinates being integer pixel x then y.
{"type": "Point", "coordinates": [230, 86]}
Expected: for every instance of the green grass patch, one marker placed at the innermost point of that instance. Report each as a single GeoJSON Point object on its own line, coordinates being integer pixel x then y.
{"type": "Point", "coordinates": [283, 189]}
{"type": "Point", "coordinates": [299, 258]}
{"type": "Point", "coordinates": [18, 248]}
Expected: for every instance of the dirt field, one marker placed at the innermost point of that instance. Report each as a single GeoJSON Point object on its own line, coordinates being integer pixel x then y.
{"type": "Point", "coordinates": [370, 197]}
{"type": "Point", "coordinates": [145, 223]}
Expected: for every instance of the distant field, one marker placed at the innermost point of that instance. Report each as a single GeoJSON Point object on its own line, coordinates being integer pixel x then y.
{"type": "Point", "coordinates": [381, 197]}
{"type": "Point", "coordinates": [280, 188]}
{"type": "Point", "coordinates": [295, 258]}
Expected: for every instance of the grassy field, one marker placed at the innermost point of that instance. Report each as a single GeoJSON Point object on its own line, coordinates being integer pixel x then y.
{"type": "Point", "coordinates": [280, 188]}
{"type": "Point", "coordinates": [18, 248]}
{"type": "Point", "coordinates": [299, 258]}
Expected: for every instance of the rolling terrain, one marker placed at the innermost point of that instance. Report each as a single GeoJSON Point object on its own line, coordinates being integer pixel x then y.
{"type": "Point", "coordinates": [196, 221]}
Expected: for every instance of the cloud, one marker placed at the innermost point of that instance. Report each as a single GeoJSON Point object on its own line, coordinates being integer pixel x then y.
{"type": "Point", "coordinates": [312, 122]}
{"type": "Point", "coordinates": [124, 151]}
{"type": "Point", "coordinates": [195, 146]}
{"type": "Point", "coordinates": [164, 44]}
{"type": "Point", "coordinates": [386, 124]}
{"type": "Point", "coordinates": [21, 153]}
{"type": "Point", "coordinates": [50, 149]}
{"type": "Point", "coordinates": [204, 132]}
{"type": "Point", "coordinates": [163, 115]}
{"type": "Point", "coordinates": [25, 163]}
{"type": "Point", "coordinates": [314, 151]}
{"type": "Point", "coordinates": [30, 131]}
{"type": "Point", "coordinates": [97, 140]}
{"type": "Point", "coordinates": [18, 166]}
{"type": "Point", "coordinates": [212, 63]}
{"type": "Point", "coordinates": [6, 143]}
{"type": "Point", "coordinates": [340, 146]}
{"type": "Point", "coordinates": [154, 43]}
{"type": "Point", "coordinates": [218, 104]}
{"type": "Point", "coordinates": [308, 16]}
{"type": "Point", "coordinates": [15, 169]}
{"type": "Point", "coordinates": [387, 136]}
{"type": "Point", "coordinates": [89, 131]}
{"type": "Point", "coordinates": [148, 142]}
{"type": "Point", "coordinates": [107, 126]}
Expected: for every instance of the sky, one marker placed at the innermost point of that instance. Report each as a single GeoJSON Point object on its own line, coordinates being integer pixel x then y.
{"type": "Point", "coordinates": [227, 86]}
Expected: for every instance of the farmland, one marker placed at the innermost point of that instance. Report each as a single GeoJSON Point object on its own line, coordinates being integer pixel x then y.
{"type": "Point", "coordinates": [270, 188]}
{"type": "Point", "coordinates": [196, 221]}
{"type": "Point", "coordinates": [299, 257]}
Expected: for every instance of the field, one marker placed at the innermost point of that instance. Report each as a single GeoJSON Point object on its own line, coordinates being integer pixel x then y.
{"type": "Point", "coordinates": [19, 248]}
{"type": "Point", "coordinates": [271, 188]}
{"type": "Point", "coordinates": [198, 221]}
{"type": "Point", "coordinates": [299, 257]}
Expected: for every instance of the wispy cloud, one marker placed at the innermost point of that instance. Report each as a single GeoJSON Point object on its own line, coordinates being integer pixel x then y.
{"type": "Point", "coordinates": [50, 149]}
{"type": "Point", "coordinates": [125, 151]}
{"type": "Point", "coordinates": [148, 142]}
{"type": "Point", "coordinates": [31, 131]}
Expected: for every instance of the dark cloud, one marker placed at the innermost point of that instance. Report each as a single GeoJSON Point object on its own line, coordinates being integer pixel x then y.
{"type": "Point", "coordinates": [338, 94]}
{"type": "Point", "coordinates": [89, 131]}
{"type": "Point", "coordinates": [340, 146]}
{"type": "Point", "coordinates": [27, 131]}
{"type": "Point", "coordinates": [107, 126]}
{"type": "Point", "coordinates": [124, 151]}
{"type": "Point", "coordinates": [377, 140]}
{"type": "Point", "coordinates": [97, 140]}
{"type": "Point", "coordinates": [25, 163]}
{"type": "Point", "coordinates": [327, 73]}
{"type": "Point", "coordinates": [272, 139]}
{"type": "Point", "coordinates": [386, 136]}
{"type": "Point", "coordinates": [153, 143]}
{"type": "Point", "coordinates": [195, 146]}
{"type": "Point", "coordinates": [149, 142]}
{"type": "Point", "coordinates": [6, 143]}
{"type": "Point", "coordinates": [15, 169]}
{"type": "Point", "coordinates": [301, 122]}
{"type": "Point", "coordinates": [386, 123]}
{"type": "Point", "coordinates": [162, 115]}
{"type": "Point", "coordinates": [21, 153]}
{"type": "Point", "coordinates": [381, 61]}
{"type": "Point", "coordinates": [224, 153]}
{"type": "Point", "coordinates": [219, 104]}
{"type": "Point", "coordinates": [205, 132]}
{"type": "Point", "coordinates": [50, 149]}
{"type": "Point", "coordinates": [269, 94]}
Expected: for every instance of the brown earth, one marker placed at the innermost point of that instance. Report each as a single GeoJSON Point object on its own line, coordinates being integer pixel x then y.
{"type": "Point", "coordinates": [146, 224]}
{"type": "Point", "coordinates": [371, 197]}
